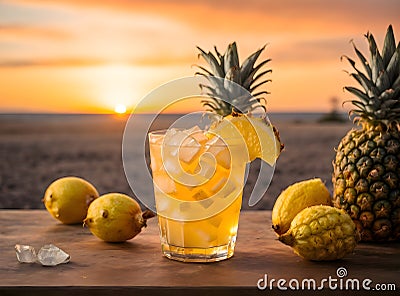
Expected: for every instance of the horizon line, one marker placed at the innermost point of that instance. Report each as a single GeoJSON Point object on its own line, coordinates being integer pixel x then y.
{"type": "Point", "coordinates": [150, 113]}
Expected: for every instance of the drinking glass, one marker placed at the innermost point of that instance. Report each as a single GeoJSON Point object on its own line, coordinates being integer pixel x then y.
{"type": "Point", "coordinates": [198, 180]}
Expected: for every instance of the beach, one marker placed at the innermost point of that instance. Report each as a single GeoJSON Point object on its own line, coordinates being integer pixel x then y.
{"type": "Point", "coordinates": [37, 149]}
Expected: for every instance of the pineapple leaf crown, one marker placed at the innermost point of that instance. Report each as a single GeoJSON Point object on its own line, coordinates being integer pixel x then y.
{"type": "Point", "coordinates": [225, 73]}
{"type": "Point", "coordinates": [379, 99]}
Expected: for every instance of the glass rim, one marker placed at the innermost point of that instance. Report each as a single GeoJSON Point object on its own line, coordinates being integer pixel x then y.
{"type": "Point", "coordinates": [233, 141]}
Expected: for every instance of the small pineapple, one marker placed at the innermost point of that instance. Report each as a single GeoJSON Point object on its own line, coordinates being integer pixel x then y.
{"type": "Point", "coordinates": [366, 174]}
{"type": "Point", "coordinates": [321, 233]}
{"type": "Point", "coordinates": [236, 104]}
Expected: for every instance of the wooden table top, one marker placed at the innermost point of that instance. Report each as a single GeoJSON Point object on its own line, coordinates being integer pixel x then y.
{"type": "Point", "coordinates": [137, 266]}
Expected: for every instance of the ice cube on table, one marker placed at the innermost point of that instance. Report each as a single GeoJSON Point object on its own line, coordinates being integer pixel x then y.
{"type": "Point", "coordinates": [25, 254]}
{"type": "Point", "coordinates": [50, 255]}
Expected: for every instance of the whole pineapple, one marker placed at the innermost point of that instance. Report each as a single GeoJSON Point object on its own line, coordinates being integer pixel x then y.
{"type": "Point", "coordinates": [366, 175]}
{"type": "Point", "coordinates": [236, 104]}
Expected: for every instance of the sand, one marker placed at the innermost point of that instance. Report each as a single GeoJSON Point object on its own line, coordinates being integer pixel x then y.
{"type": "Point", "coordinates": [34, 151]}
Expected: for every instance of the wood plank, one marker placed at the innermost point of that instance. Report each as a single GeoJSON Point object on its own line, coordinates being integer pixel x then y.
{"type": "Point", "coordinates": [137, 265]}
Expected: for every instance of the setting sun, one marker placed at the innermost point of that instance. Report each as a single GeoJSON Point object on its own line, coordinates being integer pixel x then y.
{"type": "Point", "coordinates": [120, 109]}
{"type": "Point", "coordinates": [70, 60]}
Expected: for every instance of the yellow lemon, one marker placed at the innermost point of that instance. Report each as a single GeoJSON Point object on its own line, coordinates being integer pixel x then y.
{"type": "Point", "coordinates": [115, 217]}
{"type": "Point", "coordinates": [294, 199]}
{"type": "Point", "coordinates": [67, 199]}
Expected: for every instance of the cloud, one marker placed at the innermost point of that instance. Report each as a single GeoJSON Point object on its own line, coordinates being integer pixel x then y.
{"type": "Point", "coordinates": [160, 32]}
{"type": "Point", "coordinates": [66, 62]}
{"type": "Point", "coordinates": [318, 50]}
{"type": "Point", "coordinates": [253, 15]}
{"type": "Point", "coordinates": [146, 61]}
{"type": "Point", "coordinates": [19, 31]}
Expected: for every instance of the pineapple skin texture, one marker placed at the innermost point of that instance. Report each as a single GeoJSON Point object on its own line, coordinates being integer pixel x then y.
{"type": "Point", "coordinates": [322, 233]}
{"type": "Point", "coordinates": [366, 180]}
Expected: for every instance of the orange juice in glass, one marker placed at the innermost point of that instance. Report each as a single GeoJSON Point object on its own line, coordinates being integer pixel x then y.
{"type": "Point", "coordinates": [198, 180]}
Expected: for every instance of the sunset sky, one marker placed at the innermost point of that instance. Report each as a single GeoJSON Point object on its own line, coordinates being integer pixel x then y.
{"type": "Point", "coordinates": [89, 56]}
